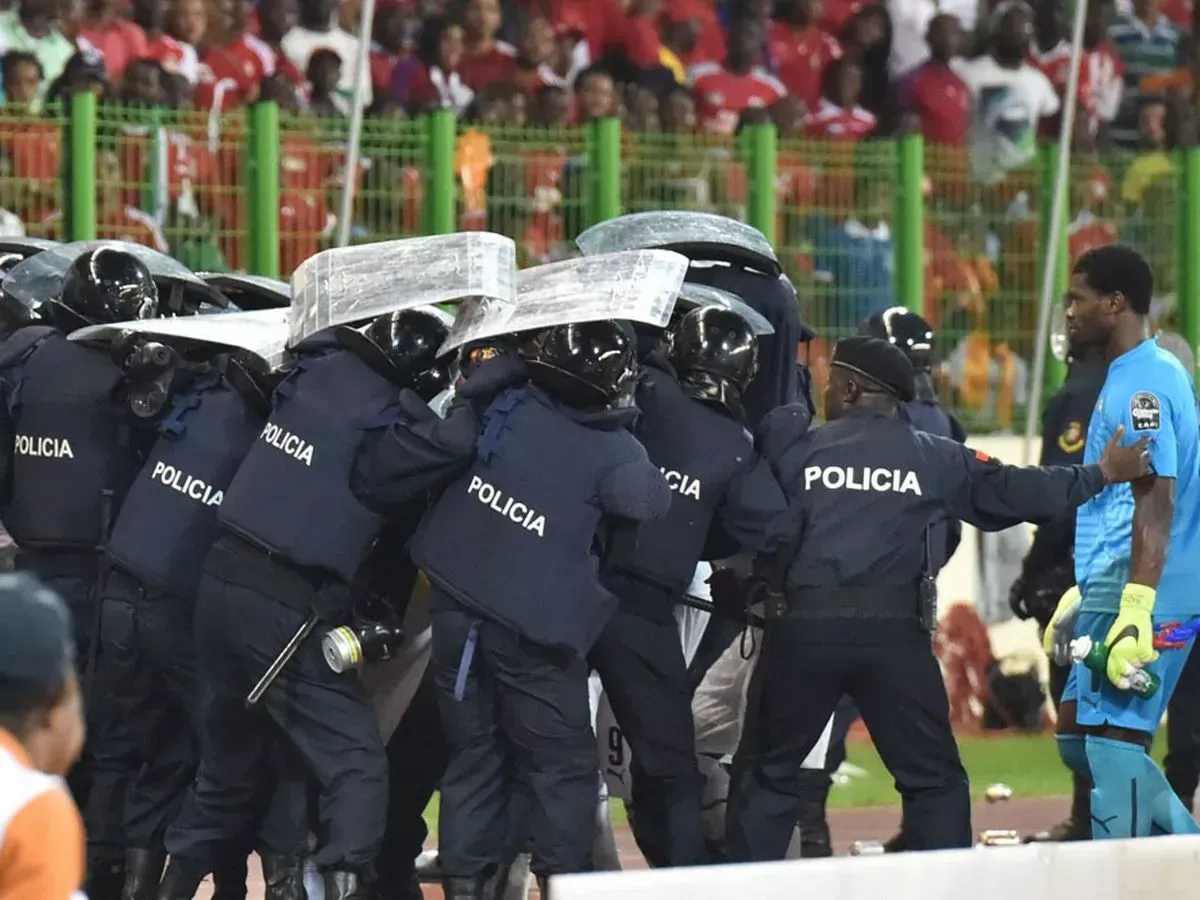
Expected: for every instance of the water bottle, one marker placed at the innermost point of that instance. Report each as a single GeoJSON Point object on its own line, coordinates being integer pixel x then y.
{"type": "Point", "coordinates": [1094, 655]}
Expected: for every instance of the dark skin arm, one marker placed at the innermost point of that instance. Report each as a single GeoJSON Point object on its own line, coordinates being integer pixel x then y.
{"type": "Point", "coordinates": [1154, 508]}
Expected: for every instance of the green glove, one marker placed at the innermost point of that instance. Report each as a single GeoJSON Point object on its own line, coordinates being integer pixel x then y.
{"type": "Point", "coordinates": [1060, 630]}
{"type": "Point", "coordinates": [1130, 641]}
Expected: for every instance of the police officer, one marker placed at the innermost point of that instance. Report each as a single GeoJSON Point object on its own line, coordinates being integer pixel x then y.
{"type": "Point", "coordinates": [159, 540]}
{"type": "Point", "coordinates": [293, 537]}
{"type": "Point", "coordinates": [553, 472]}
{"type": "Point", "coordinates": [1048, 569]}
{"type": "Point", "coordinates": [851, 604]}
{"type": "Point", "coordinates": [691, 425]}
{"type": "Point", "coordinates": [72, 452]}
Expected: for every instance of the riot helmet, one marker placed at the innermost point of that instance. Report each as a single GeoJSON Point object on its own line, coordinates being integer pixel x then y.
{"type": "Point", "coordinates": [103, 286]}
{"type": "Point", "coordinates": [906, 330]}
{"type": "Point", "coordinates": [403, 346]}
{"type": "Point", "coordinates": [586, 364]}
{"type": "Point", "coordinates": [252, 377]}
{"type": "Point", "coordinates": [715, 352]}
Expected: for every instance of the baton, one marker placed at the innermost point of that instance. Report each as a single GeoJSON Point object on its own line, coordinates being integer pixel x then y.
{"type": "Point", "coordinates": [284, 657]}
{"type": "Point", "coordinates": [709, 607]}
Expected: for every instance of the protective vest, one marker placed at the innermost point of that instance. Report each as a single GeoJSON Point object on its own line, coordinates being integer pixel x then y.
{"type": "Point", "coordinates": [291, 495]}
{"type": "Point", "coordinates": [699, 452]}
{"type": "Point", "coordinates": [169, 519]}
{"type": "Point", "coordinates": [73, 440]}
{"type": "Point", "coordinates": [515, 539]}
{"type": "Point", "coordinates": [945, 533]}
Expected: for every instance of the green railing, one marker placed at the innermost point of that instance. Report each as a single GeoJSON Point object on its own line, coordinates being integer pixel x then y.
{"type": "Point", "coordinates": [857, 226]}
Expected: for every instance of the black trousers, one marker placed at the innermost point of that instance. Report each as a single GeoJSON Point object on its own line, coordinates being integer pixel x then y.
{"type": "Point", "coordinates": [249, 607]}
{"type": "Point", "coordinates": [1182, 763]}
{"type": "Point", "coordinates": [417, 756]}
{"type": "Point", "coordinates": [100, 781]}
{"type": "Point", "coordinates": [640, 662]}
{"type": "Point", "coordinates": [520, 727]}
{"type": "Point", "coordinates": [798, 683]}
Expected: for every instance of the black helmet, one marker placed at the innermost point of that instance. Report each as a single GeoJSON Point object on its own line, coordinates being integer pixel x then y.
{"type": "Point", "coordinates": [403, 346]}
{"type": "Point", "coordinates": [906, 330]}
{"type": "Point", "coordinates": [252, 377]}
{"type": "Point", "coordinates": [587, 364]}
{"type": "Point", "coordinates": [715, 352]}
{"type": "Point", "coordinates": [106, 285]}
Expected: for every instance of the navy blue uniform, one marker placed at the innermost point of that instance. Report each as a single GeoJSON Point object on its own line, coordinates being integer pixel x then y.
{"type": "Point", "coordinates": [294, 536]}
{"type": "Point", "coordinates": [159, 541]}
{"type": "Point", "coordinates": [718, 480]}
{"type": "Point", "coordinates": [863, 489]}
{"type": "Point", "coordinates": [511, 551]}
{"type": "Point", "coordinates": [68, 439]}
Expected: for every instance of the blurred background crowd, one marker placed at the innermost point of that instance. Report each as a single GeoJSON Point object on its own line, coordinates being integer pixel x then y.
{"type": "Point", "coordinates": [982, 80]}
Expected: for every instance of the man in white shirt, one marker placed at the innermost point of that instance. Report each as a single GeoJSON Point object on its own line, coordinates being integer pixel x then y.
{"type": "Point", "coordinates": [1009, 96]}
{"type": "Point", "coordinates": [910, 24]}
{"type": "Point", "coordinates": [318, 29]}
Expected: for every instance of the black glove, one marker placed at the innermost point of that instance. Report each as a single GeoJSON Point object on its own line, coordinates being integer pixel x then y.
{"type": "Point", "coordinates": [733, 594]}
{"type": "Point", "coordinates": [491, 377]}
{"type": "Point", "coordinates": [333, 603]}
{"type": "Point", "coordinates": [1016, 599]}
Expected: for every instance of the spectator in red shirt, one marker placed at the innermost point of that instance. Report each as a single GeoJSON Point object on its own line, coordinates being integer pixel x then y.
{"type": "Point", "coordinates": [394, 36]}
{"type": "Point", "coordinates": [533, 56]}
{"type": "Point", "coordinates": [118, 40]}
{"type": "Point", "coordinates": [710, 43]}
{"type": "Point", "coordinates": [838, 117]}
{"type": "Point", "coordinates": [836, 13]}
{"type": "Point", "coordinates": [723, 92]}
{"type": "Point", "coordinates": [800, 51]}
{"type": "Point", "coordinates": [1101, 72]}
{"type": "Point", "coordinates": [275, 19]}
{"type": "Point", "coordinates": [639, 36]}
{"type": "Point", "coordinates": [233, 71]}
{"type": "Point", "coordinates": [173, 55]}
{"type": "Point", "coordinates": [595, 95]}
{"type": "Point", "coordinates": [188, 21]}
{"type": "Point", "coordinates": [438, 83]}
{"type": "Point", "coordinates": [485, 60]}
{"type": "Point", "coordinates": [933, 92]}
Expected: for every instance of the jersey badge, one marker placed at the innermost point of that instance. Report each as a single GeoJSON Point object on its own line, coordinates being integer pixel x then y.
{"type": "Point", "coordinates": [1145, 410]}
{"type": "Point", "coordinates": [1072, 439]}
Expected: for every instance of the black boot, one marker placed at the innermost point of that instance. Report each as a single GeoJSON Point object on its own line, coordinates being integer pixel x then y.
{"type": "Point", "coordinates": [464, 888]}
{"type": "Point", "coordinates": [143, 869]}
{"type": "Point", "coordinates": [1078, 826]}
{"type": "Point", "coordinates": [814, 828]}
{"type": "Point", "coordinates": [343, 886]}
{"type": "Point", "coordinates": [284, 876]}
{"type": "Point", "coordinates": [105, 879]}
{"type": "Point", "coordinates": [180, 882]}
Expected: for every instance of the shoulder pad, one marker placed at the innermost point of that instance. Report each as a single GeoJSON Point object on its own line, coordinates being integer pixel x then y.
{"type": "Point", "coordinates": [22, 342]}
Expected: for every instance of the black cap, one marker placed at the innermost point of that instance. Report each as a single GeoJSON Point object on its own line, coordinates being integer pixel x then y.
{"type": "Point", "coordinates": [36, 645]}
{"type": "Point", "coordinates": [881, 362]}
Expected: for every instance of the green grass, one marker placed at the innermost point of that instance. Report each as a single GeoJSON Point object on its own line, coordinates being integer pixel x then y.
{"type": "Point", "coordinates": [1028, 764]}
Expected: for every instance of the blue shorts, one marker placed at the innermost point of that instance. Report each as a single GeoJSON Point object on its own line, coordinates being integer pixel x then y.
{"type": "Point", "coordinates": [1099, 702]}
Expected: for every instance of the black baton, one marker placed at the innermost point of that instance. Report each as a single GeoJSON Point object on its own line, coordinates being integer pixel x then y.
{"type": "Point", "coordinates": [709, 607]}
{"type": "Point", "coordinates": [284, 657]}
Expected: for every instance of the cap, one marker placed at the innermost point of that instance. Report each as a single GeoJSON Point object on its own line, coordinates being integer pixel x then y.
{"type": "Point", "coordinates": [36, 643]}
{"type": "Point", "coordinates": [881, 362]}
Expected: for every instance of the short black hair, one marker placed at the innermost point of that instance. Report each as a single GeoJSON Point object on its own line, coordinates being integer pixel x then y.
{"type": "Point", "coordinates": [14, 58]}
{"type": "Point", "coordinates": [19, 702]}
{"type": "Point", "coordinates": [593, 71]}
{"type": "Point", "coordinates": [1118, 269]}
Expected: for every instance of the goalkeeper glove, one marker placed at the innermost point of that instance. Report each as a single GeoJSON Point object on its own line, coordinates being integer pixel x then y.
{"type": "Point", "coordinates": [1130, 641]}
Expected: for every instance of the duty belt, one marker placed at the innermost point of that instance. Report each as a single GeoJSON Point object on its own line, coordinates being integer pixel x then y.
{"type": "Point", "coordinates": [880, 602]}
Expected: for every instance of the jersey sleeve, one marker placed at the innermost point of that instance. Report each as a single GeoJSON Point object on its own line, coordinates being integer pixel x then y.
{"type": "Point", "coordinates": [42, 854]}
{"type": "Point", "coordinates": [1145, 405]}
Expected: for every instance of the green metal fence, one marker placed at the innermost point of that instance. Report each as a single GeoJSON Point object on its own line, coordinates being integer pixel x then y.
{"type": "Point", "coordinates": [857, 225]}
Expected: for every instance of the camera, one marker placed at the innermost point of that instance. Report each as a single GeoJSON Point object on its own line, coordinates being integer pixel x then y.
{"type": "Point", "coordinates": [350, 646]}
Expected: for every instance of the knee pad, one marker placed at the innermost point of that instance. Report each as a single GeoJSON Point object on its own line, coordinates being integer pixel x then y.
{"type": "Point", "coordinates": [1072, 752]}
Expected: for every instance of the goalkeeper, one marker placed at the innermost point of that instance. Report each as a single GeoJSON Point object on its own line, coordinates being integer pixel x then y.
{"type": "Point", "coordinates": [1137, 551]}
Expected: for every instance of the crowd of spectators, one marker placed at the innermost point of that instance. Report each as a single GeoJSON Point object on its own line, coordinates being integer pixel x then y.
{"type": "Point", "coordinates": [982, 80]}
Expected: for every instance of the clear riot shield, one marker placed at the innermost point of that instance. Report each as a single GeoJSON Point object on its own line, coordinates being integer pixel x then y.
{"type": "Point", "coordinates": [355, 284]}
{"type": "Point", "coordinates": [697, 235]}
{"type": "Point", "coordinates": [637, 285]}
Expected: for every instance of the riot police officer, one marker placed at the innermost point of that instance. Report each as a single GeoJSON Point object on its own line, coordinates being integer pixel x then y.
{"type": "Point", "coordinates": [159, 540]}
{"type": "Point", "coordinates": [73, 450]}
{"type": "Point", "coordinates": [293, 537]}
{"type": "Point", "coordinates": [691, 425]}
{"type": "Point", "coordinates": [1048, 569]}
{"type": "Point", "coordinates": [553, 472]}
{"type": "Point", "coordinates": [850, 601]}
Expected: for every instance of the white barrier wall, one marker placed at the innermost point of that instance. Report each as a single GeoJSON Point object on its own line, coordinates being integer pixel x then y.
{"type": "Point", "coordinates": [1166, 868]}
